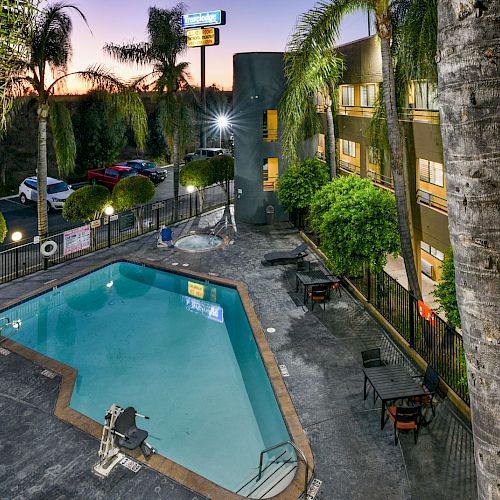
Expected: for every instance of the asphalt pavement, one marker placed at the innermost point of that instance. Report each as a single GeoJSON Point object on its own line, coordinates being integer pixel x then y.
{"type": "Point", "coordinates": [23, 218]}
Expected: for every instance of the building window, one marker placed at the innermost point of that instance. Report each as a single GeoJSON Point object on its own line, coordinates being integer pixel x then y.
{"type": "Point", "coordinates": [426, 95]}
{"type": "Point", "coordinates": [367, 95]}
{"type": "Point", "coordinates": [348, 148]}
{"type": "Point", "coordinates": [432, 251]}
{"type": "Point", "coordinates": [270, 125]}
{"type": "Point", "coordinates": [347, 95]}
{"type": "Point", "coordinates": [270, 173]}
{"type": "Point", "coordinates": [431, 172]}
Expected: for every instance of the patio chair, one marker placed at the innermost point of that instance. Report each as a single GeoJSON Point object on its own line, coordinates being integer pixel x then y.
{"type": "Point", "coordinates": [372, 358]}
{"type": "Point", "coordinates": [128, 435]}
{"type": "Point", "coordinates": [430, 384]}
{"type": "Point", "coordinates": [405, 418]}
{"type": "Point", "coordinates": [319, 293]}
{"type": "Point", "coordinates": [285, 256]}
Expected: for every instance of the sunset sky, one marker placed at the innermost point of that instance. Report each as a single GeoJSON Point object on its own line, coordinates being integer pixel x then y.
{"type": "Point", "coordinates": [252, 25]}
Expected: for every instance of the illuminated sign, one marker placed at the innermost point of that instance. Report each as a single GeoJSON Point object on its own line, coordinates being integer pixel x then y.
{"type": "Point", "coordinates": [211, 311]}
{"type": "Point", "coordinates": [202, 37]}
{"type": "Point", "coordinates": [200, 19]}
{"type": "Point", "coordinates": [196, 290]}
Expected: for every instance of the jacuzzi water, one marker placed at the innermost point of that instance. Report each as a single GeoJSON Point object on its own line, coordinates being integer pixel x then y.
{"type": "Point", "coordinates": [177, 349]}
{"type": "Point", "coordinates": [198, 242]}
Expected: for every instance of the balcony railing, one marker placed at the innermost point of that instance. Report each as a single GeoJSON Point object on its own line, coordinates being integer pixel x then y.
{"type": "Point", "coordinates": [363, 111]}
{"type": "Point", "coordinates": [349, 168]}
{"type": "Point", "coordinates": [407, 114]}
{"type": "Point", "coordinates": [270, 135]}
{"type": "Point", "coordinates": [432, 200]}
{"type": "Point", "coordinates": [380, 179]}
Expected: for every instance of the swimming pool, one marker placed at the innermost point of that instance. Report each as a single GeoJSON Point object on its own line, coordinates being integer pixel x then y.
{"type": "Point", "coordinates": [178, 349]}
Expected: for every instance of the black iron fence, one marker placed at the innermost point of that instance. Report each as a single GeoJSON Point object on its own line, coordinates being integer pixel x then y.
{"type": "Point", "coordinates": [434, 340]}
{"type": "Point", "coordinates": [26, 258]}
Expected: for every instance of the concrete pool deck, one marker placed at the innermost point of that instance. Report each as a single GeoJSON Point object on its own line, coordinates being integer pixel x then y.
{"type": "Point", "coordinates": [43, 457]}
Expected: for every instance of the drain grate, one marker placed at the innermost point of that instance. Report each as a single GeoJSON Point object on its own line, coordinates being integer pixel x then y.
{"type": "Point", "coordinates": [284, 370]}
{"type": "Point", "coordinates": [48, 374]}
{"type": "Point", "coordinates": [313, 489]}
{"type": "Point", "coordinates": [130, 464]}
{"type": "Point", "coordinates": [4, 352]}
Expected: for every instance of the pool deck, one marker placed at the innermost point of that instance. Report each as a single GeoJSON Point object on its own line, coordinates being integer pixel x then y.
{"type": "Point", "coordinates": [42, 456]}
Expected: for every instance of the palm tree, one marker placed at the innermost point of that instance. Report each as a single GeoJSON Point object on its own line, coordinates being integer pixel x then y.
{"type": "Point", "coordinates": [468, 83]}
{"type": "Point", "coordinates": [49, 48]}
{"type": "Point", "coordinates": [166, 41]}
{"type": "Point", "coordinates": [317, 31]}
{"type": "Point", "coordinates": [309, 75]}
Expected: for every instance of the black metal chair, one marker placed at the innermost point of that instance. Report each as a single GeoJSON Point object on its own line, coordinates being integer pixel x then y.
{"type": "Point", "coordinates": [405, 418]}
{"type": "Point", "coordinates": [128, 435]}
{"type": "Point", "coordinates": [319, 293]}
{"type": "Point", "coordinates": [372, 358]}
{"type": "Point", "coordinates": [430, 383]}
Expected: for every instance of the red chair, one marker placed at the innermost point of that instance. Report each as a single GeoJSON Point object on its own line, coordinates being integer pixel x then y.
{"type": "Point", "coordinates": [319, 293]}
{"type": "Point", "coordinates": [405, 418]}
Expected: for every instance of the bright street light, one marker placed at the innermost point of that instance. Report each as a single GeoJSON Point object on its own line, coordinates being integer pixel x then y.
{"type": "Point", "coordinates": [16, 236]}
{"type": "Point", "coordinates": [109, 210]}
{"type": "Point", "coordinates": [222, 122]}
{"type": "Point", "coordinates": [190, 189]}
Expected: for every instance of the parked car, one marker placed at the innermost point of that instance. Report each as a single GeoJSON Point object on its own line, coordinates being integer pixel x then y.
{"type": "Point", "coordinates": [57, 192]}
{"type": "Point", "coordinates": [109, 176]}
{"type": "Point", "coordinates": [203, 154]}
{"type": "Point", "coordinates": [149, 169]}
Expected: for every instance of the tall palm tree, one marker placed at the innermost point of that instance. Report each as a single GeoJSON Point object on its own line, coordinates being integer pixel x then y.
{"type": "Point", "coordinates": [318, 31]}
{"type": "Point", "coordinates": [166, 41]}
{"type": "Point", "coordinates": [309, 75]}
{"type": "Point", "coordinates": [468, 83]}
{"type": "Point", "coordinates": [49, 48]}
{"type": "Point", "coordinates": [15, 17]}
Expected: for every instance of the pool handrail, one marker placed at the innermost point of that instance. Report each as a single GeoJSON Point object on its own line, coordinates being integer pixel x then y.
{"type": "Point", "coordinates": [297, 449]}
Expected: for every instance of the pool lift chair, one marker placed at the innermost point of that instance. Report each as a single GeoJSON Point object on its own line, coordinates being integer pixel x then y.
{"type": "Point", "coordinates": [120, 431]}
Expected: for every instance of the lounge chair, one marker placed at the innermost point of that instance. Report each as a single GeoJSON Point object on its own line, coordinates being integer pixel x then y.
{"type": "Point", "coordinates": [286, 256]}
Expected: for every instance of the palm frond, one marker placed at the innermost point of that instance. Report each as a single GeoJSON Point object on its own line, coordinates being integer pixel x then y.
{"type": "Point", "coordinates": [135, 53]}
{"type": "Point", "coordinates": [63, 138]}
{"type": "Point", "coordinates": [98, 77]}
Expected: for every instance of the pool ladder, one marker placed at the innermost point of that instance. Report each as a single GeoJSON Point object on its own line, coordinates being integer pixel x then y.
{"type": "Point", "coordinates": [261, 485]}
{"type": "Point", "coordinates": [15, 324]}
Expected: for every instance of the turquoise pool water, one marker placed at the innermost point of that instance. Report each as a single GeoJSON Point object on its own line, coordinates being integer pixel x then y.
{"type": "Point", "coordinates": [177, 349]}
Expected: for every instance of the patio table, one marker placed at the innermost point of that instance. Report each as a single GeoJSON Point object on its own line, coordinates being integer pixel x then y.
{"type": "Point", "coordinates": [390, 383]}
{"type": "Point", "coordinates": [311, 278]}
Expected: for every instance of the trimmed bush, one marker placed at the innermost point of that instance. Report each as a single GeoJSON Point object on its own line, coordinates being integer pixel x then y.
{"type": "Point", "coordinates": [132, 191]}
{"type": "Point", "coordinates": [86, 203]}
{"type": "Point", "coordinates": [3, 228]}
{"type": "Point", "coordinates": [222, 168]}
{"type": "Point", "coordinates": [197, 173]}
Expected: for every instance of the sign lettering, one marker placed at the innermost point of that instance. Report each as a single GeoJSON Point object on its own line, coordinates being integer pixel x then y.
{"type": "Point", "coordinates": [202, 37]}
{"type": "Point", "coordinates": [200, 19]}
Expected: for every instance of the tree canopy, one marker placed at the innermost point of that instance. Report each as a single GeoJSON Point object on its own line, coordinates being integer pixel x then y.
{"type": "Point", "coordinates": [357, 224]}
{"type": "Point", "coordinates": [3, 228]}
{"type": "Point", "coordinates": [298, 185]}
{"type": "Point", "coordinates": [446, 292]}
{"type": "Point", "coordinates": [87, 203]}
{"type": "Point", "coordinates": [197, 173]}
{"type": "Point", "coordinates": [132, 191]}
{"type": "Point", "coordinates": [222, 167]}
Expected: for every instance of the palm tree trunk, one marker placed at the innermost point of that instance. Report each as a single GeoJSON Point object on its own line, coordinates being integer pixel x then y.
{"type": "Point", "coordinates": [384, 30]}
{"type": "Point", "coordinates": [330, 138]}
{"type": "Point", "coordinates": [468, 48]}
{"type": "Point", "coordinates": [176, 158]}
{"type": "Point", "coordinates": [41, 173]}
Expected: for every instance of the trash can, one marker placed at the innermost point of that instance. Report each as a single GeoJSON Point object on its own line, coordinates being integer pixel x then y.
{"type": "Point", "coordinates": [270, 215]}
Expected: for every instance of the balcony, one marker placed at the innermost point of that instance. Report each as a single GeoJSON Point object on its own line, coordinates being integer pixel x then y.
{"type": "Point", "coordinates": [361, 111]}
{"type": "Point", "coordinates": [381, 180]}
{"type": "Point", "coordinates": [432, 200]}
{"type": "Point", "coordinates": [270, 134]}
{"type": "Point", "coordinates": [348, 168]}
{"type": "Point", "coordinates": [407, 114]}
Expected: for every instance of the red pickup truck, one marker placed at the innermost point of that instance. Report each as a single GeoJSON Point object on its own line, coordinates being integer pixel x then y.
{"type": "Point", "coordinates": [109, 176]}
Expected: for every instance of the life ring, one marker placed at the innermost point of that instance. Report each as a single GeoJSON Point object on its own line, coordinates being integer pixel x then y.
{"type": "Point", "coordinates": [48, 248]}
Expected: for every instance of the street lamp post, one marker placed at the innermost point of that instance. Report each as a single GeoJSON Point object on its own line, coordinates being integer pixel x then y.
{"type": "Point", "coordinates": [16, 237]}
{"type": "Point", "coordinates": [222, 122]}
{"type": "Point", "coordinates": [109, 211]}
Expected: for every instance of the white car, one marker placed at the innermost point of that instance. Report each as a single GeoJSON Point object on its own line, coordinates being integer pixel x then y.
{"type": "Point", "coordinates": [57, 192]}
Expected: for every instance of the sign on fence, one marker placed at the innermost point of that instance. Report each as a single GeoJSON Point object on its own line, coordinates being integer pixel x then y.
{"type": "Point", "coordinates": [76, 239]}
{"type": "Point", "coordinates": [126, 221]}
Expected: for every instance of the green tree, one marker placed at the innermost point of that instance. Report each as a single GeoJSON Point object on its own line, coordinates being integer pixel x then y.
{"type": "Point", "coordinates": [49, 47]}
{"type": "Point", "coordinates": [197, 173]}
{"type": "Point", "coordinates": [316, 34]}
{"type": "Point", "coordinates": [85, 204]}
{"type": "Point", "coordinates": [357, 224]}
{"type": "Point", "coordinates": [166, 41]}
{"type": "Point", "coordinates": [99, 131]}
{"type": "Point", "coordinates": [3, 228]}
{"type": "Point", "coordinates": [156, 145]}
{"type": "Point", "coordinates": [446, 292]}
{"type": "Point", "coordinates": [132, 193]}
{"type": "Point", "coordinates": [300, 183]}
{"type": "Point", "coordinates": [222, 168]}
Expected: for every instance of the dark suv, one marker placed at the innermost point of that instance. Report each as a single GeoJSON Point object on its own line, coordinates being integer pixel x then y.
{"type": "Point", "coordinates": [149, 169]}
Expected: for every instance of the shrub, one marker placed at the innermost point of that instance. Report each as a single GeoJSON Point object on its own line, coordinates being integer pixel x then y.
{"type": "Point", "coordinates": [222, 168]}
{"type": "Point", "coordinates": [86, 203]}
{"type": "Point", "coordinates": [298, 185]}
{"type": "Point", "coordinates": [197, 173]}
{"type": "Point", "coordinates": [446, 292]}
{"type": "Point", "coordinates": [3, 228]}
{"type": "Point", "coordinates": [132, 191]}
{"type": "Point", "coordinates": [357, 224]}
